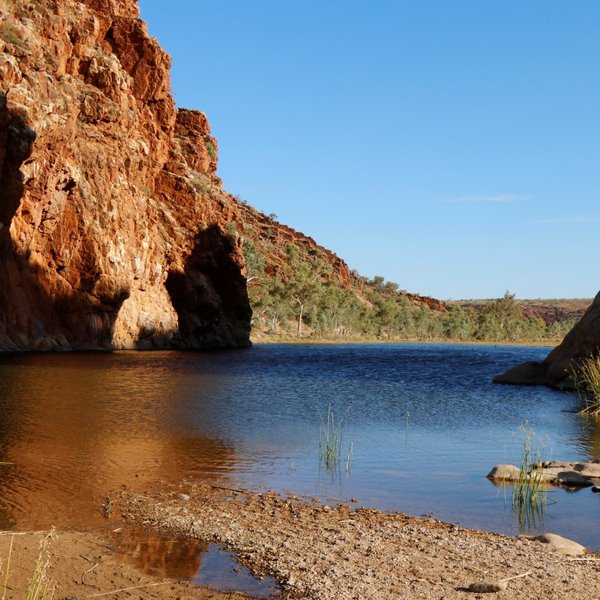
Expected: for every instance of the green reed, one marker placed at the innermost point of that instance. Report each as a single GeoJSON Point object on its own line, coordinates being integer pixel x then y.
{"type": "Point", "coordinates": [586, 378]}
{"type": "Point", "coordinates": [529, 489]}
{"type": "Point", "coordinates": [330, 439]}
{"type": "Point", "coordinates": [331, 433]}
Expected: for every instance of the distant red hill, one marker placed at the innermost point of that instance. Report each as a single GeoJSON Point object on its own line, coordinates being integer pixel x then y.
{"type": "Point", "coordinates": [550, 311]}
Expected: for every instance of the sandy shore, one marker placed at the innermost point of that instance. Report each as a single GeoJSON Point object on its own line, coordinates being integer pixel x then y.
{"type": "Point", "coordinates": [75, 566]}
{"type": "Point", "coordinates": [356, 341]}
{"type": "Point", "coordinates": [338, 552]}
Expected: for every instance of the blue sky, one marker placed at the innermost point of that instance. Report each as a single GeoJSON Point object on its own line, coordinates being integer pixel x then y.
{"type": "Point", "coordinates": [451, 146]}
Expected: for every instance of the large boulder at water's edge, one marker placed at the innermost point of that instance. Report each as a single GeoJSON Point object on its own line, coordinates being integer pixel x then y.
{"type": "Point", "coordinates": [555, 370]}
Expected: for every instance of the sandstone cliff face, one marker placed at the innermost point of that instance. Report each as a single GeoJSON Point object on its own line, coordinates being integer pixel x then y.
{"type": "Point", "coordinates": [115, 231]}
{"type": "Point", "coordinates": [555, 370]}
{"type": "Point", "coordinates": [113, 228]}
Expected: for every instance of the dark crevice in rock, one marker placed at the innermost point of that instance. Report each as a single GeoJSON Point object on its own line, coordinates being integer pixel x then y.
{"type": "Point", "coordinates": [210, 295]}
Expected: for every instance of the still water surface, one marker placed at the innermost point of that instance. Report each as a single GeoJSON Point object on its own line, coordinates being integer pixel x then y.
{"type": "Point", "coordinates": [425, 422]}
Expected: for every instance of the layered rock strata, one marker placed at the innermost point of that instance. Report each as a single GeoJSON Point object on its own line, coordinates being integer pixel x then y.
{"type": "Point", "coordinates": [556, 370]}
{"type": "Point", "coordinates": [110, 233]}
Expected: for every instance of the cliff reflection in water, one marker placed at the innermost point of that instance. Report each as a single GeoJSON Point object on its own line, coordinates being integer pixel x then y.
{"type": "Point", "coordinates": [158, 555]}
{"type": "Point", "coordinates": [76, 427]}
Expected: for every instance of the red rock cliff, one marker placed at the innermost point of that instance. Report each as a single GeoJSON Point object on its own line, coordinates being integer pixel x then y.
{"type": "Point", "coordinates": [111, 232]}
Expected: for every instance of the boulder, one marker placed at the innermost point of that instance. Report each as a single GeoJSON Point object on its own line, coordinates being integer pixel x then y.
{"type": "Point", "coordinates": [504, 473]}
{"type": "Point", "coordinates": [561, 544]}
{"type": "Point", "coordinates": [556, 369]}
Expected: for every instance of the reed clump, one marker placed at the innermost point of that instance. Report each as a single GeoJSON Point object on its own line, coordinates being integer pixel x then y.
{"type": "Point", "coordinates": [331, 433]}
{"type": "Point", "coordinates": [586, 378]}
{"type": "Point", "coordinates": [330, 439]}
{"type": "Point", "coordinates": [529, 489]}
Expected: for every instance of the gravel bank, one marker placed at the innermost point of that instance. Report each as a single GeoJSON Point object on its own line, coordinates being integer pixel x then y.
{"type": "Point", "coordinates": [341, 553]}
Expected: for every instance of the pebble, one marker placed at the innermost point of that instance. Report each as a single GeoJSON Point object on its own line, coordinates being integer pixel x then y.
{"type": "Point", "coordinates": [488, 587]}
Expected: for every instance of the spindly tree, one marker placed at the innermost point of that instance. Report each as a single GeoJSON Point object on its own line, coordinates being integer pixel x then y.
{"type": "Point", "coordinates": [305, 281]}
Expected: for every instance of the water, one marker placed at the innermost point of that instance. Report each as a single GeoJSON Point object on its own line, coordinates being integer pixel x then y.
{"type": "Point", "coordinates": [425, 422]}
{"type": "Point", "coordinates": [187, 558]}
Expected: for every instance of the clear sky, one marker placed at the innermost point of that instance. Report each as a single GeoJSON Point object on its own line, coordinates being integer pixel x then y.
{"type": "Point", "coordinates": [452, 146]}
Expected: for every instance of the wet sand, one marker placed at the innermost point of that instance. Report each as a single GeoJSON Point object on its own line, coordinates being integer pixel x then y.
{"type": "Point", "coordinates": [85, 565]}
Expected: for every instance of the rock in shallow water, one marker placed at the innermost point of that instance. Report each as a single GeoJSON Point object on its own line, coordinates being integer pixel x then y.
{"type": "Point", "coordinates": [569, 474]}
{"type": "Point", "coordinates": [556, 369]}
{"type": "Point", "coordinates": [504, 473]}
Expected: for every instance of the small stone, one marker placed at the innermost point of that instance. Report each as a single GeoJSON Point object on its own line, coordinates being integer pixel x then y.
{"type": "Point", "coordinates": [505, 473]}
{"type": "Point", "coordinates": [184, 497]}
{"type": "Point", "coordinates": [596, 489]}
{"type": "Point", "coordinates": [488, 587]}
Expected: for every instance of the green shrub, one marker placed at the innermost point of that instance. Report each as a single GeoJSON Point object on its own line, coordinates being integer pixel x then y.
{"type": "Point", "coordinates": [211, 149]}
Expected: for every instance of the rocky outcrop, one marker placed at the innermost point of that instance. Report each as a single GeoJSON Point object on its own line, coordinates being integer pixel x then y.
{"type": "Point", "coordinates": [113, 228]}
{"type": "Point", "coordinates": [556, 369]}
{"type": "Point", "coordinates": [556, 472]}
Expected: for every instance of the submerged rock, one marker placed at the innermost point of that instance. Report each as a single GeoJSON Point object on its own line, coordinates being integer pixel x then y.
{"type": "Point", "coordinates": [529, 373]}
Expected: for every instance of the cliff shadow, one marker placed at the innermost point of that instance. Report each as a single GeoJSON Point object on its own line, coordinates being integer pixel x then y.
{"type": "Point", "coordinates": [210, 295]}
{"type": "Point", "coordinates": [16, 141]}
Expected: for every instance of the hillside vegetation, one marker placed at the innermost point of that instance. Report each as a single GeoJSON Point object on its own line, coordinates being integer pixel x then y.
{"type": "Point", "coordinates": [302, 294]}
